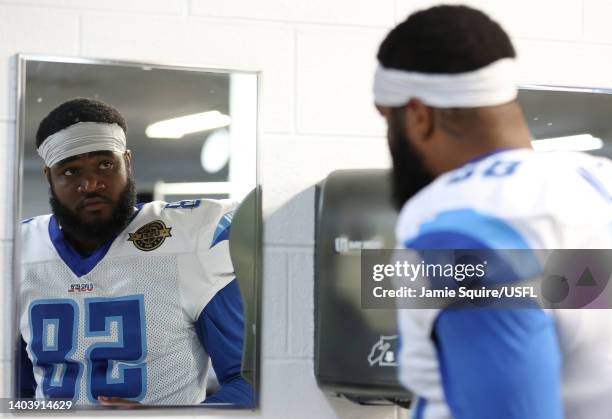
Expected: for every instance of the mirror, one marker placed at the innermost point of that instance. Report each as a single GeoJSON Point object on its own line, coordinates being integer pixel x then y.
{"type": "Point", "coordinates": [156, 303]}
{"type": "Point", "coordinates": [568, 118]}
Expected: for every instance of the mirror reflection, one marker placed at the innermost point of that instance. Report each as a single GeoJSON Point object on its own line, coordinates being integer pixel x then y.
{"type": "Point", "coordinates": [568, 118]}
{"type": "Point", "coordinates": [128, 290]}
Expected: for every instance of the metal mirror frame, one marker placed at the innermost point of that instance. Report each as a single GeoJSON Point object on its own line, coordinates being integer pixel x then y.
{"type": "Point", "coordinates": [254, 327]}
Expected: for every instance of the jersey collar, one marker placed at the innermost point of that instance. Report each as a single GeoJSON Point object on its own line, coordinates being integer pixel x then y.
{"type": "Point", "coordinates": [493, 152]}
{"type": "Point", "coordinates": [78, 264]}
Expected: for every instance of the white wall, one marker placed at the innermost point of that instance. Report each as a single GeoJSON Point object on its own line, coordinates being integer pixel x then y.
{"type": "Point", "coordinates": [317, 57]}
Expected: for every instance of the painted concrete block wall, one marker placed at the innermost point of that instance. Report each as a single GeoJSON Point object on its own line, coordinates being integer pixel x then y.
{"type": "Point", "coordinates": [317, 59]}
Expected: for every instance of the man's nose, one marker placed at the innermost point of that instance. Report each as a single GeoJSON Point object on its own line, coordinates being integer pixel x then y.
{"type": "Point", "coordinates": [90, 184]}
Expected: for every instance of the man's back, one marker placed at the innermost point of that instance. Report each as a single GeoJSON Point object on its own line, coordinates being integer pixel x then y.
{"type": "Point", "coordinates": [513, 199]}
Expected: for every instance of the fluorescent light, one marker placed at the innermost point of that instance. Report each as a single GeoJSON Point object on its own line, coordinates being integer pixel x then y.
{"type": "Point", "coordinates": [216, 151]}
{"type": "Point", "coordinates": [582, 142]}
{"type": "Point", "coordinates": [181, 126]}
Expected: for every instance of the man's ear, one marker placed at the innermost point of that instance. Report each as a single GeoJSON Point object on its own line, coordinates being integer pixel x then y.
{"type": "Point", "coordinates": [420, 120]}
{"type": "Point", "coordinates": [47, 174]}
{"type": "Point", "coordinates": [128, 160]}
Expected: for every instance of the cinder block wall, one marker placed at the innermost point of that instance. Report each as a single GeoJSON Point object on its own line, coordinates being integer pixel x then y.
{"type": "Point", "coordinates": [317, 59]}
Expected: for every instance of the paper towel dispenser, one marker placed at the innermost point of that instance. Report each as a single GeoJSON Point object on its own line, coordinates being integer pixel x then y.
{"type": "Point", "coordinates": [355, 349]}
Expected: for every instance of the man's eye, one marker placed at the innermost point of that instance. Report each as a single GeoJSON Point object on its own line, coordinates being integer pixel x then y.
{"type": "Point", "coordinates": [69, 172]}
{"type": "Point", "coordinates": [106, 165]}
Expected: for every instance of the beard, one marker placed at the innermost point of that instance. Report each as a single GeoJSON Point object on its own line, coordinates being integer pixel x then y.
{"type": "Point", "coordinates": [409, 175]}
{"type": "Point", "coordinates": [72, 224]}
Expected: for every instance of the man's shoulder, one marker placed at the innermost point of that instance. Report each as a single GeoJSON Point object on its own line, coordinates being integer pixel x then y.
{"type": "Point", "coordinates": [203, 218]}
{"type": "Point", "coordinates": [189, 212]}
{"type": "Point", "coordinates": [34, 239]}
{"type": "Point", "coordinates": [511, 188]}
{"type": "Point", "coordinates": [34, 225]}
{"type": "Point", "coordinates": [486, 185]}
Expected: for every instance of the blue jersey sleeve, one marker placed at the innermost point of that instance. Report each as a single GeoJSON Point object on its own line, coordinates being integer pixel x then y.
{"type": "Point", "coordinates": [220, 328]}
{"type": "Point", "coordinates": [494, 363]}
{"type": "Point", "coordinates": [502, 364]}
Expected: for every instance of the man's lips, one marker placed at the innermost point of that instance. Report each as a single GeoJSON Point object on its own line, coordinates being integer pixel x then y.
{"type": "Point", "coordinates": [93, 203]}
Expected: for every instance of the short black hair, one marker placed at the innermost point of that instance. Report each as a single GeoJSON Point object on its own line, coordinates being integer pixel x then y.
{"type": "Point", "coordinates": [445, 40]}
{"type": "Point", "coordinates": [77, 110]}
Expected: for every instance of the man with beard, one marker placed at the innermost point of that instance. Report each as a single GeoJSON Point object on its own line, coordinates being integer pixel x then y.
{"type": "Point", "coordinates": [465, 177]}
{"type": "Point", "coordinates": [123, 304]}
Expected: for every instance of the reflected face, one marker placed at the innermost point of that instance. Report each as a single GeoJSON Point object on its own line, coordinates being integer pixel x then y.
{"type": "Point", "coordinates": [92, 194]}
{"type": "Point", "coordinates": [409, 175]}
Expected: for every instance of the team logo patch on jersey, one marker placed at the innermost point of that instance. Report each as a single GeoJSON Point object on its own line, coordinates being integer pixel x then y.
{"type": "Point", "coordinates": [150, 236]}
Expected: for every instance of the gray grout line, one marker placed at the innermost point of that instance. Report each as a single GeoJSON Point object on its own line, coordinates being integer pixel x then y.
{"type": "Point", "coordinates": [79, 35]}
{"type": "Point", "coordinates": [582, 22]}
{"type": "Point", "coordinates": [288, 319]}
{"type": "Point", "coordinates": [295, 81]}
{"type": "Point", "coordinates": [69, 8]}
{"type": "Point", "coordinates": [291, 22]}
{"type": "Point", "coordinates": [181, 13]}
{"type": "Point", "coordinates": [578, 42]}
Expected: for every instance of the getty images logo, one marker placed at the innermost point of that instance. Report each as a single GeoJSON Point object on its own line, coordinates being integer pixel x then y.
{"type": "Point", "coordinates": [412, 271]}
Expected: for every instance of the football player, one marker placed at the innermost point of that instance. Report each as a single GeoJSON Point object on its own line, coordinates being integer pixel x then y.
{"type": "Point", "coordinates": [465, 177]}
{"type": "Point", "coordinates": [123, 303]}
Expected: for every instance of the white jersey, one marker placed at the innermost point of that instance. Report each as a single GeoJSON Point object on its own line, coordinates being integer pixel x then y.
{"type": "Point", "coordinates": [517, 199]}
{"type": "Point", "coordinates": [121, 322]}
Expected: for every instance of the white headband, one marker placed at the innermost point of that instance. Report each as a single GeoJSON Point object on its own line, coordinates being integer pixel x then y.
{"type": "Point", "coordinates": [492, 85]}
{"type": "Point", "coordinates": [82, 137]}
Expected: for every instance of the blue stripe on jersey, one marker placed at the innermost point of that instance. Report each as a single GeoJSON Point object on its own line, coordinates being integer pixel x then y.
{"type": "Point", "coordinates": [222, 231]}
{"type": "Point", "coordinates": [220, 328]}
{"type": "Point", "coordinates": [502, 364]}
{"type": "Point", "coordinates": [444, 240]}
{"type": "Point", "coordinates": [596, 183]}
{"type": "Point", "coordinates": [492, 237]}
{"type": "Point", "coordinates": [502, 265]}
{"type": "Point", "coordinates": [80, 265]}
{"type": "Point", "coordinates": [491, 231]}
{"type": "Point", "coordinates": [419, 408]}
